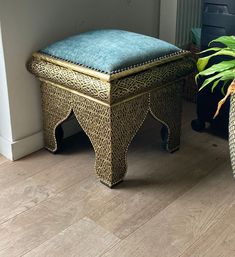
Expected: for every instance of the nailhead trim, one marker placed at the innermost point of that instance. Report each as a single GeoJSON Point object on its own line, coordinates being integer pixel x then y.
{"type": "Point", "coordinates": [122, 69]}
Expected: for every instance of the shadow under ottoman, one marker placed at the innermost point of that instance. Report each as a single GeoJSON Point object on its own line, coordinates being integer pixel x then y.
{"type": "Point", "coordinates": [111, 105]}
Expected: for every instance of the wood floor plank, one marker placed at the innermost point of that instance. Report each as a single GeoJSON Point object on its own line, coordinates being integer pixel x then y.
{"type": "Point", "coordinates": [32, 228]}
{"type": "Point", "coordinates": [82, 239]}
{"type": "Point", "coordinates": [3, 159]}
{"type": "Point", "coordinates": [159, 184]}
{"type": "Point", "coordinates": [12, 173]}
{"type": "Point", "coordinates": [219, 241]}
{"type": "Point", "coordinates": [35, 189]}
{"type": "Point", "coordinates": [180, 224]}
{"type": "Point", "coordinates": [165, 206]}
{"type": "Point", "coordinates": [56, 205]}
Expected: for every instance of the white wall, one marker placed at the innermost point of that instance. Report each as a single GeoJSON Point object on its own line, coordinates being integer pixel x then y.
{"type": "Point", "coordinates": [5, 122]}
{"type": "Point", "coordinates": [168, 20]}
{"type": "Point", "coordinates": [28, 25]}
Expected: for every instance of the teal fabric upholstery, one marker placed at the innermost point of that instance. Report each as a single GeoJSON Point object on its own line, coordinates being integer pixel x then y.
{"type": "Point", "coordinates": [110, 51]}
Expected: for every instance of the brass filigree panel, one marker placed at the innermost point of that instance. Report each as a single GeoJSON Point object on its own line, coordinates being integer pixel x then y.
{"type": "Point", "coordinates": [111, 113]}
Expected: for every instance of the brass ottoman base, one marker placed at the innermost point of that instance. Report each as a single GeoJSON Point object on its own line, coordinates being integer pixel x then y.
{"type": "Point", "coordinates": [111, 128]}
{"type": "Point", "coordinates": [112, 110]}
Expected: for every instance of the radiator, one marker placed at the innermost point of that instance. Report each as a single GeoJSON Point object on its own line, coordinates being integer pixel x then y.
{"type": "Point", "coordinates": [188, 16]}
{"type": "Point", "coordinates": [177, 17]}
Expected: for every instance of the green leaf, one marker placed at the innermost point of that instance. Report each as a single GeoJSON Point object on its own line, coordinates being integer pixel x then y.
{"type": "Point", "coordinates": [225, 75]}
{"type": "Point", "coordinates": [215, 85]}
{"type": "Point", "coordinates": [228, 75]}
{"type": "Point", "coordinates": [229, 41]}
{"type": "Point", "coordinates": [223, 87]}
{"type": "Point", "coordinates": [210, 80]}
{"type": "Point", "coordinates": [219, 67]}
{"type": "Point", "coordinates": [202, 62]}
{"type": "Point", "coordinates": [196, 78]}
{"type": "Point", "coordinates": [215, 49]}
{"type": "Point", "coordinates": [227, 79]}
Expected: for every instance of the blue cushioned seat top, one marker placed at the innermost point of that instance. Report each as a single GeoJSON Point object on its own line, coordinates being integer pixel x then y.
{"type": "Point", "coordinates": [110, 51]}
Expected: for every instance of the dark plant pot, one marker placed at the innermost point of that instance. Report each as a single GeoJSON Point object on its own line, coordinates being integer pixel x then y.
{"type": "Point", "coordinates": [232, 132]}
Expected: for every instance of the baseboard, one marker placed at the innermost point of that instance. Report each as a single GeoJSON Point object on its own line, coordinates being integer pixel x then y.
{"type": "Point", "coordinates": [23, 147]}
{"type": "Point", "coordinates": [20, 148]}
{"type": "Point", "coordinates": [27, 146]}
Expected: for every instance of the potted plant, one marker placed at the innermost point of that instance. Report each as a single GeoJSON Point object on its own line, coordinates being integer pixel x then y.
{"type": "Point", "coordinates": [221, 74]}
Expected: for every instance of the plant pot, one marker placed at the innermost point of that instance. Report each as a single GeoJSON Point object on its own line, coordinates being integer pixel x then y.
{"type": "Point", "coordinates": [232, 132]}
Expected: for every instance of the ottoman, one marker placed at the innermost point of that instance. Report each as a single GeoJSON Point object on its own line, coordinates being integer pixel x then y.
{"type": "Point", "coordinates": [110, 80]}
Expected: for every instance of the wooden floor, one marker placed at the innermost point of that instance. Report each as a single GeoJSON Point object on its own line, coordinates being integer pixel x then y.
{"type": "Point", "coordinates": [170, 205]}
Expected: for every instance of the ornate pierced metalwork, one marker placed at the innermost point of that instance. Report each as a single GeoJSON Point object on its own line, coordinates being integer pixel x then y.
{"type": "Point", "coordinates": [111, 113]}
{"type": "Point", "coordinates": [166, 107]}
{"type": "Point", "coordinates": [111, 130]}
{"type": "Point", "coordinates": [151, 79]}
{"type": "Point", "coordinates": [77, 81]}
{"type": "Point", "coordinates": [116, 90]}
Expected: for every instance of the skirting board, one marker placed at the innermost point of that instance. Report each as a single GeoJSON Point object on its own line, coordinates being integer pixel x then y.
{"type": "Point", "coordinates": [18, 149]}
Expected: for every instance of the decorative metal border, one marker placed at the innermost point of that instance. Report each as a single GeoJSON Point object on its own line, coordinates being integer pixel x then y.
{"type": "Point", "coordinates": [116, 74]}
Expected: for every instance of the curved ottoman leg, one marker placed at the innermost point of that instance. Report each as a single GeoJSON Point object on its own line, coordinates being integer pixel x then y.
{"type": "Point", "coordinates": [55, 111]}
{"type": "Point", "coordinates": [166, 107]}
{"type": "Point", "coordinates": [111, 130]}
